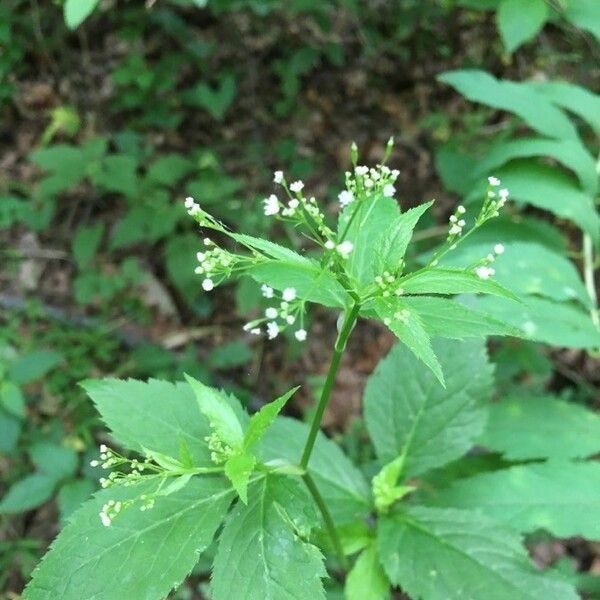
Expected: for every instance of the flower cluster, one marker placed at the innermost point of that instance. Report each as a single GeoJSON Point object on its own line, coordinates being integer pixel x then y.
{"type": "Point", "coordinates": [493, 202]}
{"type": "Point", "coordinates": [387, 283]}
{"type": "Point", "coordinates": [457, 223]}
{"type": "Point", "coordinates": [214, 263]}
{"type": "Point", "coordinates": [277, 318]}
{"type": "Point", "coordinates": [219, 451]}
{"type": "Point", "coordinates": [110, 459]}
{"type": "Point", "coordinates": [343, 248]}
{"type": "Point", "coordinates": [400, 315]}
{"type": "Point", "coordinates": [483, 270]}
{"type": "Point", "coordinates": [364, 180]}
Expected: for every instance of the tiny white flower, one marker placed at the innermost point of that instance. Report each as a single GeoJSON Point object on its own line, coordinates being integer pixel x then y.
{"type": "Point", "coordinates": [297, 186]}
{"type": "Point", "coordinates": [189, 202]}
{"type": "Point", "coordinates": [94, 463]}
{"type": "Point", "coordinates": [395, 174]}
{"type": "Point", "coordinates": [389, 190]}
{"type": "Point", "coordinates": [330, 245]}
{"type": "Point", "coordinates": [455, 230]}
{"type": "Point", "coordinates": [208, 285]}
{"type": "Point", "coordinates": [105, 519]}
{"type": "Point", "coordinates": [494, 181]}
{"type": "Point", "coordinates": [503, 193]}
{"type": "Point", "coordinates": [207, 242]}
{"type": "Point", "coordinates": [462, 223]}
{"type": "Point", "coordinates": [255, 331]}
{"type": "Point", "coordinates": [289, 294]}
{"type": "Point", "coordinates": [272, 330]}
{"type": "Point", "coordinates": [247, 326]}
{"type": "Point", "coordinates": [200, 256]}
{"type": "Point", "coordinates": [278, 177]}
{"type": "Point", "coordinates": [293, 204]}
{"type": "Point", "coordinates": [484, 272]}
{"type": "Point", "coordinates": [300, 335]}
{"type": "Point", "coordinates": [267, 291]}
{"type": "Point", "coordinates": [361, 170]}
{"type": "Point", "coordinates": [291, 319]}
{"type": "Point", "coordinates": [271, 313]}
{"type": "Point", "coordinates": [461, 210]}
{"type": "Point", "coordinates": [499, 249]}
{"type": "Point", "coordinates": [345, 248]}
{"type": "Point", "coordinates": [103, 448]}
{"type": "Point", "coordinates": [271, 205]}
{"type": "Point", "coordinates": [345, 197]}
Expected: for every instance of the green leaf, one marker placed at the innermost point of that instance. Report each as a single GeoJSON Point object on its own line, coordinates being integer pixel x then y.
{"type": "Point", "coordinates": [263, 419]}
{"type": "Point", "coordinates": [261, 554]}
{"type": "Point", "coordinates": [28, 493]}
{"type": "Point", "coordinates": [54, 460]}
{"type": "Point", "coordinates": [216, 100]}
{"type": "Point", "coordinates": [519, 22]}
{"type": "Point", "coordinates": [410, 331]}
{"type": "Point", "coordinates": [12, 399]}
{"type": "Point", "coordinates": [451, 281]}
{"type": "Point", "coordinates": [154, 415]}
{"type": "Point", "coordinates": [341, 484]}
{"type": "Point", "coordinates": [584, 14]}
{"type": "Point", "coordinates": [141, 554]}
{"type": "Point", "coordinates": [385, 490]}
{"type": "Point", "coordinates": [72, 495]}
{"type": "Point", "coordinates": [453, 550]}
{"type": "Point", "coordinates": [525, 427]}
{"type": "Point", "coordinates": [538, 112]}
{"type": "Point", "coordinates": [67, 165]}
{"type": "Point", "coordinates": [169, 169]}
{"type": "Point", "coordinates": [561, 497]}
{"type": "Point", "coordinates": [180, 261]}
{"type": "Point", "coordinates": [221, 416]}
{"type": "Point", "coordinates": [77, 11]}
{"type": "Point", "coordinates": [118, 173]}
{"type": "Point", "coordinates": [238, 469]}
{"type": "Point", "coordinates": [33, 365]}
{"type": "Point", "coordinates": [86, 243]}
{"type": "Point", "coordinates": [367, 580]}
{"type": "Point", "coordinates": [408, 412]}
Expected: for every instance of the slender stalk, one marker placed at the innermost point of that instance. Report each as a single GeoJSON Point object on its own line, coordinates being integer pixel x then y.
{"type": "Point", "coordinates": [588, 275]}
{"type": "Point", "coordinates": [340, 345]}
{"type": "Point", "coordinates": [329, 525]}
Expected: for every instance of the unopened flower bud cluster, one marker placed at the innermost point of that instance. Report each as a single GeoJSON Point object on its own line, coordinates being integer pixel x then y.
{"type": "Point", "coordinates": [372, 181]}
{"type": "Point", "coordinates": [483, 269]}
{"type": "Point", "coordinates": [493, 202]}
{"type": "Point", "coordinates": [219, 451]}
{"type": "Point", "coordinates": [387, 284]}
{"type": "Point", "coordinates": [215, 263]}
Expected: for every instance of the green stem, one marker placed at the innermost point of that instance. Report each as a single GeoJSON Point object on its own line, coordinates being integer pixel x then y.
{"type": "Point", "coordinates": [340, 345]}
{"type": "Point", "coordinates": [588, 275]}
{"type": "Point", "coordinates": [314, 491]}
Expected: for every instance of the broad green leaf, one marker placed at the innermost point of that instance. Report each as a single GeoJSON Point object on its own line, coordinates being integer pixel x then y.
{"type": "Point", "coordinates": [33, 365]}
{"type": "Point", "coordinates": [169, 169]}
{"type": "Point", "coordinates": [12, 399]}
{"type": "Point", "coordinates": [72, 495]}
{"type": "Point", "coordinates": [54, 460]}
{"type": "Point", "coordinates": [561, 497]}
{"type": "Point", "coordinates": [86, 243]}
{"type": "Point", "coordinates": [216, 100]}
{"type": "Point", "coordinates": [408, 412]}
{"type": "Point", "coordinates": [526, 427]}
{"type": "Point", "coordinates": [392, 246]}
{"type": "Point", "coordinates": [141, 554]}
{"type": "Point", "coordinates": [409, 330]}
{"type": "Point", "coordinates": [538, 112]}
{"type": "Point", "coordinates": [557, 324]}
{"type": "Point", "coordinates": [28, 493]}
{"type": "Point", "coordinates": [367, 580]}
{"type": "Point", "coordinates": [154, 415]}
{"type": "Point", "coordinates": [519, 22]}
{"type": "Point", "coordinates": [385, 490]}
{"type": "Point", "coordinates": [238, 469]}
{"type": "Point", "coordinates": [585, 14]}
{"type": "Point", "coordinates": [67, 166]}
{"type": "Point", "coordinates": [219, 413]}
{"type": "Point", "coordinates": [262, 554]}
{"type": "Point", "coordinates": [263, 419]}
{"type": "Point", "coordinates": [118, 173]}
{"type": "Point", "coordinates": [454, 551]}
{"type": "Point", "coordinates": [446, 318]}
{"type": "Point", "coordinates": [341, 484]}
{"type": "Point", "coordinates": [77, 11]}
{"type": "Point", "coordinates": [441, 280]}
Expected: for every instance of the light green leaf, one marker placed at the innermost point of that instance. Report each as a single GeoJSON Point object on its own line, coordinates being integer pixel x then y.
{"type": "Point", "coordinates": [86, 243]}
{"type": "Point", "coordinates": [526, 427]}
{"type": "Point", "coordinates": [367, 580]}
{"type": "Point", "coordinates": [385, 490]}
{"type": "Point", "coordinates": [12, 399]}
{"type": "Point", "coordinates": [166, 462]}
{"type": "Point", "coordinates": [54, 460]}
{"type": "Point", "coordinates": [72, 495]}
{"type": "Point", "coordinates": [260, 555]}
{"type": "Point", "coordinates": [155, 415]}
{"type": "Point", "coordinates": [33, 365]}
{"type": "Point", "coordinates": [453, 550]}
{"type": "Point", "coordinates": [118, 173]}
{"type": "Point", "coordinates": [77, 11]}
{"type": "Point", "coordinates": [585, 14]}
{"type": "Point", "coordinates": [169, 169]}
{"type": "Point", "coordinates": [409, 330]}
{"type": "Point", "coordinates": [538, 112]}
{"type": "Point", "coordinates": [519, 22]}
{"type": "Point", "coordinates": [141, 554]}
{"type": "Point", "coordinates": [341, 484]}
{"type": "Point", "coordinates": [408, 412]}
{"type": "Point", "coordinates": [263, 419]}
{"type": "Point", "coordinates": [221, 416]}
{"type": "Point", "coordinates": [28, 493]}
{"type": "Point", "coordinates": [561, 497]}
{"type": "Point", "coordinates": [238, 469]}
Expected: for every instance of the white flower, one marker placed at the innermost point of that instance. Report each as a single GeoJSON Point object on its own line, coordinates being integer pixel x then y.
{"type": "Point", "coordinates": [361, 170]}
{"type": "Point", "coordinates": [271, 205]}
{"type": "Point", "coordinates": [105, 519]}
{"type": "Point", "coordinates": [291, 319]}
{"type": "Point", "coordinates": [297, 186]}
{"type": "Point", "coordinates": [461, 210]}
{"type": "Point", "coordinates": [267, 291]}
{"type": "Point", "coordinates": [289, 294]}
{"type": "Point", "coordinates": [300, 335]}
{"type": "Point", "coordinates": [345, 248]}
{"type": "Point", "coordinates": [271, 313]}
{"type": "Point", "coordinates": [455, 230]}
{"type": "Point", "coordinates": [208, 285]}
{"type": "Point", "coordinates": [389, 190]}
{"type": "Point", "coordinates": [278, 177]}
{"type": "Point", "coordinates": [189, 202]}
{"type": "Point", "coordinates": [272, 330]}
{"type": "Point", "coordinates": [103, 448]}
{"type": "Point", "coordinates": [494, 181]}
{"type": "Point", "coordinates": [293, 203]}
{"type": "Point", "coordinates": [503, 193]}
{"type": "Point", "coordinates": [330, 245]}
{"type": "Point", "coordinates": [200, 256]}
{"type": "Point", "coordinates": [345, 197]}
{"type": "Point", "coordinates": [255, 331]}
{"type": "Point", "coordinates": [207, 242]}
{"type": "Point", "coordinates": [499, 249]}
{"type": "Point", "coordinates": [484, 272]}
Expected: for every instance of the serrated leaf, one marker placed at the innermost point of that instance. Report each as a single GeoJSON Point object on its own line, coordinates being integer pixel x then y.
{"type": "Point", "coordinates": [142, 554]}
{"type": "Point", "coordinates": [525, 427]}
{"type": "Point", "coordinates": [238, 469]}
{"type": "Point", "coordinates": [280, 565]}
{"type": "Point", "coordinates": [453, 551]}
{"type": "Point", "coordinates": [559, 496]}
{"type": "Point", "coordinates": [519, 22]}
{"type": "Point", "coordinates": [367, 579]}
{"type": "Point", "coordinates": [28, 493]}
{"type": "Point", "coordinates": [77, 11]}
{"type": "Point", "coordinates": [154, 414]}
{"type": "Point", "coordinates": [219, 413]}
{"type": "Point", "coordinates": [341, 484]}
{"type": "Point", "coordinates": [263, 419]}
{"type": "Point", "coordinates": [407, 411]}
